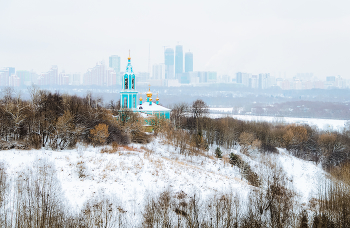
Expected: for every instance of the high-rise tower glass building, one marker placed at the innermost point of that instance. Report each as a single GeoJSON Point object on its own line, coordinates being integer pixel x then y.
{"type": "Point", "coordinates": [179, 60]}
{"type": "Point", "coordinates": [114, 62]}
{"type": "Point", "coordinates": [158, 71]}
{"type": "Point", "coordinates": [169, 63]}
{"type": "Point", "coordinates": [188, 62]}
{"type": "Point", "coordinates": [239, 77]}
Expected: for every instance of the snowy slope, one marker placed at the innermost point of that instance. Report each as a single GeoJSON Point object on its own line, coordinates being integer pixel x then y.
{"type": "Point", "coordinates": [135, 172]}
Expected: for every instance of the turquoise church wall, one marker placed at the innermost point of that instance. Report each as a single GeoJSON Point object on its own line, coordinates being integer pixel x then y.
{"type": "Point", "coordinates": [128, 94]}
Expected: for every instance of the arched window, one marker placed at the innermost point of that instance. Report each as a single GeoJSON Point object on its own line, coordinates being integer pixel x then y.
{"type": "Point", "coordinates": [126, 83]}
{"type": "Point", "coordinates": [125, 102]}
{"type": "Point", "coordinates": [133, 83]}
{"type": "Point", "coordinates": [134, 101]}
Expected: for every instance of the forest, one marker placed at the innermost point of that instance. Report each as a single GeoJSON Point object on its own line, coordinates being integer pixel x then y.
{"type": "Point", "coordinates": [60, 121]}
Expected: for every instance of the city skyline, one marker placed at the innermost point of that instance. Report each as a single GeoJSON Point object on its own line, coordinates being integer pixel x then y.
{"type": "Point", "coordinates": [226, 36]}
{"type": "Point", "coordinates": [109, 75]}
{"type": "Point", "coordinates": [119, 60]}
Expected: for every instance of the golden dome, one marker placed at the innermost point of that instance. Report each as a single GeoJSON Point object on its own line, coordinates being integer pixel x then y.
{"type": "Point", "coordinates": [140, 98]}
{"type": "Point", "coordinates": [157, 97]}
{"type": "Point", "coordinates": [149, 93]}
{"type": "Point", "coordinates": [150, 99]}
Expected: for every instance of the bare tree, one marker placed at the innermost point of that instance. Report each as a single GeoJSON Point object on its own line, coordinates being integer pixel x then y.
{"type": "Point", "coordinates": [177, 114]}
{"type": "Point", "coordinates": [199, 108]}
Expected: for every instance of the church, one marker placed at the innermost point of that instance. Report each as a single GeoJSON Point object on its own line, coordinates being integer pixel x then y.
{"type": "Point", "coordinates": [129, 95]}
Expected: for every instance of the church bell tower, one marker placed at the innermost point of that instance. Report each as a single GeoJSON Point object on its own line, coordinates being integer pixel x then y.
{"type": "Point", "coordinates": [128, 94]}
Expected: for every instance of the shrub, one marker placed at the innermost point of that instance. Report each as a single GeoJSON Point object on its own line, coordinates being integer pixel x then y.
{"type": "Point", "coordinates": [268, 148]}
{"type": "Point", "coordinates": [99, 134]}
{"type": "Point", "coordinates": [246, 140]}
{"type": "Point", "coordinates": [304, 220]}
{"type": "Point", "coordinates": [140, 137]}
{"type": "Point", "coordinates": [245, 170]}
{"type": "Point", "coordinates": [235, 159]}
{"type": "Point", "coordinates": [35, 141]}
{"type": "Point", "coordinates": [116, 135]}
{"type": "Point", "coordinates": [218, 152]}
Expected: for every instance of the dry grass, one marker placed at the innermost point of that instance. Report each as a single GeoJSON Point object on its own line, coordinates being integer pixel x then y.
{"type": "Point", "coordinates": [130, 148]}
{"type": "Point", "coordinates": [226, 159]}
{"type": "Point", "coordinates": [268, 161]}
{"type": "Point", "coordinates": [81, 169]}
{"type": "Point", "coordinates": [110, 150]}
{"type": "Point", "coordinates": [158, 163]}
{"type": "Point", "coordinates": [123, 166]}
{"type": "Point", "coordinates": [98, 161]}
{"type": "Point", "coordinates": [110, 166]}
{"type": "Point", "coordinates": [147, 152]}
{"type": "Point", "coordinates": [212, 157]}
{"type": "Point", "coordinates": [342, 173]}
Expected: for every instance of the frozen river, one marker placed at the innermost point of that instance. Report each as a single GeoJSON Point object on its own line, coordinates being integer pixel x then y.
{"type": "Point", "coordinates": [322, 124]}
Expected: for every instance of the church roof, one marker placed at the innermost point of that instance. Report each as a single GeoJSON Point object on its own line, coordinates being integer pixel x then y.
{"type": "Point", "coordinates": [129, 68]}
{"type": "Point", "coordinates": [154, 107]}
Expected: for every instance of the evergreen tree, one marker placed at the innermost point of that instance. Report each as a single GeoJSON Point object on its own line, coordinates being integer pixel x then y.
{"type": "Point", "coordinates": [218, 152]}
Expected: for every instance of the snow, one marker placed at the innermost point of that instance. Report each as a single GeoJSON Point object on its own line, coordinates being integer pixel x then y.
{"type": "Point", "coordinates": [306, 176]}
{"type": "Point", "coordinates": [154, 107]}
{"type": "Point", "coordinates": [131, 173]}
{"type": "Point", "coordinates": [134, 172]}
{"type": "Point", "coordinates": [322, 124]}
{"type": "Point", "coordinates": [221, 109]}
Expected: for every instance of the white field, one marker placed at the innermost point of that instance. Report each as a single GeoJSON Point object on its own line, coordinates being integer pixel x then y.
{"type": "Point", "coordinates": [322, 124]}
{"type": "Point", "coordinates": [132, 174]}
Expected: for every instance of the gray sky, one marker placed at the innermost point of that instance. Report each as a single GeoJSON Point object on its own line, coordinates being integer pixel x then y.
{"type": "Point", "coordinates": [226, 36]}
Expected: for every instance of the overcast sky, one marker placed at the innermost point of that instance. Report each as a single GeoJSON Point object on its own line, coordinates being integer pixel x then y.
{"type": "Point", "coordinates": [226, 36]}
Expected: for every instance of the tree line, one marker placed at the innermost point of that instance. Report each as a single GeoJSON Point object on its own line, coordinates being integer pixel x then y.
{"type": "Point", "coordinates": [59, 121]}
{"type": "Point", "coordinates": [330, 148]}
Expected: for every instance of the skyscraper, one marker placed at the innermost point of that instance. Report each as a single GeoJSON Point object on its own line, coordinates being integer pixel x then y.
{"type": "Point", "coordinates": [188, 62]}
{"type": "Point", "coordinates": [169, 63]}
{"type": "Point", "coordinates": [264, 81]}
{"type": "Point", "coordinates": [97, 75]}
{"type": "Point", "coordinates": [239, 77]}
{"type": "Point", "coordinates": [179, 61]}
{"type": "Point", "coordinates": [11, 71]}
{"type": "Point", "coordinates": [76, 79]}
{"type": "Point", "coordinates": [158, 71]}
{"type": "Point", "coordinates": [4, 77]}
{"type": "Point", "coordinates": [114, 62]}
{"type": "Point", "coordinates": [52, 77]}
{"type": "Point", "coordinates": [26, 77]}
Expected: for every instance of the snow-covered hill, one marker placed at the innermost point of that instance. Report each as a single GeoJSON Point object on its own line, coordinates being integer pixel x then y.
{"type": "Point", "coordinates": [135, 172]}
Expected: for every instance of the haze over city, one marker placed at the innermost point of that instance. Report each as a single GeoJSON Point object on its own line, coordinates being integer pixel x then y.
{"type": "Point", "coordinates": [281, 38]}
{"type": "Point", "coordinates": [196, 113]}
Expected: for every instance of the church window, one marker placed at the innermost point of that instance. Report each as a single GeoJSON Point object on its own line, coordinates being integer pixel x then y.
{"type": "Point", "coordinates": [125, 102]}
{"type": "Point", "coordinates": [126, 83]}
{"type": "Point", "coordinates": [133, 83]}
{"type": "Point", "coordinates": [134, 102]}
